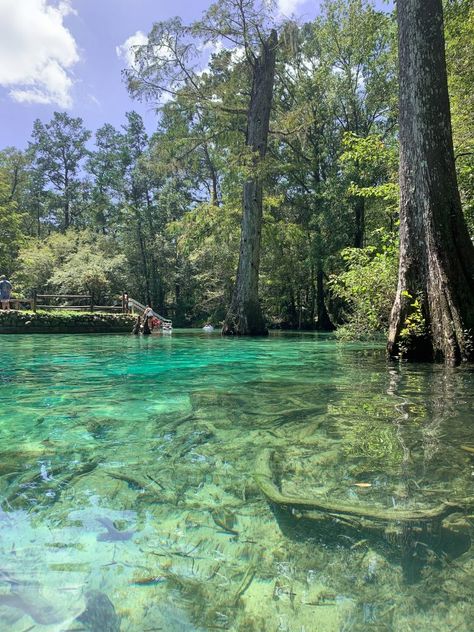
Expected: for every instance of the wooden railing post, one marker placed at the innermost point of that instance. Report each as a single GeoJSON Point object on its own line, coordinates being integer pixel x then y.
{"type": "Point", "coordinates": [125, 305]}
{"type": "Point", "coordinates": [33, 302]}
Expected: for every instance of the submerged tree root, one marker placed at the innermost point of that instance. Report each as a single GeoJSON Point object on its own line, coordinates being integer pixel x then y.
{"type": "Point", "coordinates": [264, 478]}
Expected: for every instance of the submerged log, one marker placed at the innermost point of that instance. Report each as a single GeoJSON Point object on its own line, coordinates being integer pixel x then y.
{"type": "Point", "coordinates": [263, 476]}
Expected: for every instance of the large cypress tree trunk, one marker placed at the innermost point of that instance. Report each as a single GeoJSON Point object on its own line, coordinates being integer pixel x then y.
{"type": "Point", "coordinates": [245, 315]}
{"type": "Point", "coordinates": [433, 314]}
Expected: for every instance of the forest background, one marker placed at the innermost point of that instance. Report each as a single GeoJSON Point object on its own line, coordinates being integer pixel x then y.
{"type": "Point", "coordinates": [159, 215]}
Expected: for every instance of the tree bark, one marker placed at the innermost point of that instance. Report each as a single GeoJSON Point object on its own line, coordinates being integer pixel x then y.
{"type": "Point", "coordinates": [359, 220]}
{"type": "Point", "coordinates": [214, 179]}
{"type": "Point", "coordinates": [143, 258]}
{"type": "Point", "coordinates": [436, 282]}
{"type": "Point", "coordinates": [67, 203]}
{"type": "Point", "coordinates": [324, 322]}
{"type": "Point", "coordinates": [245, 315]}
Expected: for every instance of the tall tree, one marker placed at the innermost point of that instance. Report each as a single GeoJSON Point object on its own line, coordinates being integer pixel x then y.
{"type": "Point", "coordinates": [433, 313]}
{"type": "Point", "coordinates": [106, 167]}
{"type": "Point", "coordinates": [169, 63]}
{"type": "Point", "coordinates": [245, 313]}
{"type": "Point", "coordinates": [12, 176]}
{"type": "Point", "coordinates": [356, 42]}
{"type": "Point", "coordinates": [58, 148]}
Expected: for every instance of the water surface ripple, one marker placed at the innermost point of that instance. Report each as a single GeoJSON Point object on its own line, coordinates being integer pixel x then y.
{"type": "Point", "coordinates": [128, 497]}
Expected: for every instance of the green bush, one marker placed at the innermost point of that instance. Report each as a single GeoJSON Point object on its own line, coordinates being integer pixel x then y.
{"type": "Point", "coordinates": [367, 287]}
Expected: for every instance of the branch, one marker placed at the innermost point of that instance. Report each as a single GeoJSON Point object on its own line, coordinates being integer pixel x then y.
{"type": "Point", "coordinates": [263, 478]}
{"type": "Point", "coordinates": [465, 153]}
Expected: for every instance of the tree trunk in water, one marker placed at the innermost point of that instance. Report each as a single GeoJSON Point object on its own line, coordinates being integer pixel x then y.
{"type": "Point", "coordinates": [433, 314]}
{"type": "Point", "coordinates": [324, 322]}
{"type": "Point", "coordinates": [143, 258]}
{"type": "Point", "coordinates": [245, 315]}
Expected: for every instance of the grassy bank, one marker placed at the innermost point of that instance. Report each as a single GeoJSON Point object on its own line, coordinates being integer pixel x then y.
{"type": "Point", "coordinates": [64, 322]}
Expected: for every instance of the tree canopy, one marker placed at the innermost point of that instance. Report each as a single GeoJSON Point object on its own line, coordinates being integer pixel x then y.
{"type": "Point", "coordinates": [158, 212]}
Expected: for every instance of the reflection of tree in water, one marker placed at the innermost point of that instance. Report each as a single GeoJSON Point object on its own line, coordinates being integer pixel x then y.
{"type": "Point", "coordinates": [428, 406]}
{"type": "Point", "coordinates": [382, 446]}
{"type": "Point", "coordinates": [431, 412]}
{"type": "Point", "coordinates": [442, 397]}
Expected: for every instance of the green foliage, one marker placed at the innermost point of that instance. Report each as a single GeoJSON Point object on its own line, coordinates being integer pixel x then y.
{"type": "Point", "coordinates": [371, 165]}
{"type": "Point", "coordinates": [367, 286]}
{"type": "Point", "coordinates": [159, 215]}
{"type": "Point", "coordinates": [76, 262]}
{"type": "Point", "coordinates": [90, 271]}
{"type": "Point", "coordinates": [459, 33]}
{"type": "Point", "coordinates": [11, 221]}
{"type": "Point", "coordinates": [208, 238]}
{"type": "Point", "coordinates": [414, 326]}
{"type": "Point", "coordinates": [285, 261]}
{"type": "Point", "coordinates": [58, 148]}
{"type": "Point", "coordinates": [356, 43]}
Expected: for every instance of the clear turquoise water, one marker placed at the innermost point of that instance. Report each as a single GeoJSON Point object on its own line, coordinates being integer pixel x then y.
{"type": "Point", "coordinates": [128, 500]}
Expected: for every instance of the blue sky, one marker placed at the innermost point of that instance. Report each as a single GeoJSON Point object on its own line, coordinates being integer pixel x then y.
{"type": "Point", "coordinates": [68, 55]}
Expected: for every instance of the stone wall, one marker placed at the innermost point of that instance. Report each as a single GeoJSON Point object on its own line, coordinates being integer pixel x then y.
{"type": "Point", "coordinates": [43, 322]}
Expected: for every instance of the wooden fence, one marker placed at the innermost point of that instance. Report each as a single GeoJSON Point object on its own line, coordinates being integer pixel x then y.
{"type": "Point", "coordinates": [69, 302]}
{"type": "Point", "coordinates": [83, 303]}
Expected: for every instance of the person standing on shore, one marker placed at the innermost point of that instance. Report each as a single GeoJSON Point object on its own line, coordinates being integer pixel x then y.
{"type": "Point", "coordinates": [5, 292]}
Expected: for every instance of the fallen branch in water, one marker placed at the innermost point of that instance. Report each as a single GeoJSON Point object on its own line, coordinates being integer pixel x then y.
{"type": "Point", "coordinates": [263, 476]}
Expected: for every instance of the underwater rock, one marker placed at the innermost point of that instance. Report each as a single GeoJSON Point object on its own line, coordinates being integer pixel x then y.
{"type": "Point", "coordinates": [99, 615]}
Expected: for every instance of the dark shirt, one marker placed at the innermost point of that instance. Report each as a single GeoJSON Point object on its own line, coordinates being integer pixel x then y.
{"type": "Point", "coordinates": [5, 289]}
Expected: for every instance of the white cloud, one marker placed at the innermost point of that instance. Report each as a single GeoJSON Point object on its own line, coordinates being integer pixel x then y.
{"type": "Point", "coordinates": [288, 7]}
{"type": "Point", "coordinates": [237, 55]}
{"type": "Point", "coordinates": [36, 51]}
{"type": "Point", "coordinates": [126, 51]}
{"type": "Point", "coordinates": [213, 47]}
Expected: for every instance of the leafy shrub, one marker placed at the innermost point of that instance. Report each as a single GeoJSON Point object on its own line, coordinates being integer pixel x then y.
{"type": "Point", "coordinates": [367, 286]}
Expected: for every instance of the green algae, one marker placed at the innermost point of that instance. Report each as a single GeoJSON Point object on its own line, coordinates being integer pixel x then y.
{"type": "Point", "coordinates": [158, 438]}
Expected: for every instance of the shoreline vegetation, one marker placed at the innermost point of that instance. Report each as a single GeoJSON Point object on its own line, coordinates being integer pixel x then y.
{"type": "Point", "coordinates": [269, 191]}
{"type": "Point", "coordinates": [67, 322]}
